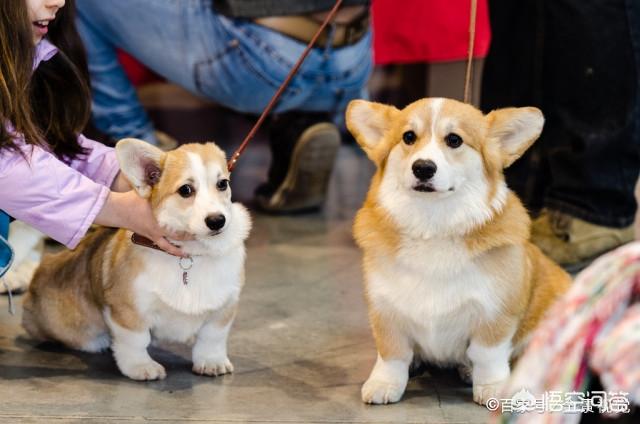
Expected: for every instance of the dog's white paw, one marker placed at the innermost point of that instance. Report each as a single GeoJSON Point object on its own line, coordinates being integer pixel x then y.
{"type": "Point", "coordinates": [483, 392]}
{"type": "Point", "coordinates": [213, 367]}
{"type": "Point", "coordinates": [150, 370]}
{"type": "Point", "coordinates": [381, 392]}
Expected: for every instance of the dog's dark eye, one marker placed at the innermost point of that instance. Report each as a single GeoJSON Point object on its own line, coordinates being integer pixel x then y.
{"type": "Point", "coordinates": [453, 140]}
{"type": "Point", "coordinates": [186, 190]}
{"type": "Point", "coordinates": [222, 185]}
{"type": "Point", "coordinates": [409, 137]}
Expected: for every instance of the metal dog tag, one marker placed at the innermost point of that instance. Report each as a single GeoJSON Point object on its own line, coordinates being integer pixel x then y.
{"type": "Point", "coordinates": [185, 267]}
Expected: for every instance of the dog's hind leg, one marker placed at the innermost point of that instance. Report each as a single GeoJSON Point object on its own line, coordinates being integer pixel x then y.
{"type": "Point", "coordinates": [29, 319]}
{"type": "Point", "coordinates": [98, 344]}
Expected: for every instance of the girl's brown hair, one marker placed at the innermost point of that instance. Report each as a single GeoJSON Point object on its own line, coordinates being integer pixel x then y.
{"type": "Point", "coordinates": [50, 105]}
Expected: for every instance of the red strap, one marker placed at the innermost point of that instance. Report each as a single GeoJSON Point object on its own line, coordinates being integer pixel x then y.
{"type": "Point", "coordinates": [276, 96]}
{"type": "Point", "coordinates": [143, 241]}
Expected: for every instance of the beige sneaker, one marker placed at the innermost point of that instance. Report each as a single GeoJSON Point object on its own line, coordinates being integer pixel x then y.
{"type": "Point", "coordinates": [165, 141]}
{"type": "Point", "coordinates": [572, 242]}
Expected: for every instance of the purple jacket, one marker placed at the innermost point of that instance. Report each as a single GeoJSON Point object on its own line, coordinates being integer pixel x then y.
{"type": "Point", "coordinates": [60, 200]}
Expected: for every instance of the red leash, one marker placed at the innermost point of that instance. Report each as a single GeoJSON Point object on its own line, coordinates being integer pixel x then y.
{"type": "Point", "coordinates": [143, 241]}
{"type": "Point", "coordinates": [276, 96]}
{"type": "Point", "coordinates": [472, 38]}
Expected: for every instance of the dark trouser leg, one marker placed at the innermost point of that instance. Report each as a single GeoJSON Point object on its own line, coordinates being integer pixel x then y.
{"type": "Point", "coordinates": [578, 60]}
{"type": "Point", "coordinates": [512, 77]}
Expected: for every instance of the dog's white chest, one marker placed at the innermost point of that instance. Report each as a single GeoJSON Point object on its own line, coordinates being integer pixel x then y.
{"type": "Point", "coordinates": [169, 324]}
{"type": "Point", "coordinates": [177, 310]}
{"type": "Point", "coordinates": [438, 291]}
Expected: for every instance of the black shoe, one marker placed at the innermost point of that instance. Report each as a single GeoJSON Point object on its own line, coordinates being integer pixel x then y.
{"type": "Point", "coordinates": [303, 150]}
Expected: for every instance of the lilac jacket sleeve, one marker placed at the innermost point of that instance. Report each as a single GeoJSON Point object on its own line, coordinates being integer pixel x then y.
{"type": "Point", "coordinates": [55, 198]}
{"type": "Point", "coordinates": [100, 164]}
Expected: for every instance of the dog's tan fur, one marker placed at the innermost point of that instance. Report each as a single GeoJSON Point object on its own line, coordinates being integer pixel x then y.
{"type": "Point", "coordinates": [520, 279]}
{"type": "Point", "coordinates": [73, 290]}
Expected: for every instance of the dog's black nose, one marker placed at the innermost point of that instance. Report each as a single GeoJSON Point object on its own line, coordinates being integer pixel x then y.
{"type": "Point", "coordinates": [424, 169]}
{"type": "Point", "coordinates": [215, 222]}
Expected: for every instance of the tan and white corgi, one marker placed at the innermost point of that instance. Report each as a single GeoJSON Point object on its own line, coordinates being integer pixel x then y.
{"type": "Point", "coordinates": [109, 292]}
{"type": "Point", "coordinates": [450, 275]}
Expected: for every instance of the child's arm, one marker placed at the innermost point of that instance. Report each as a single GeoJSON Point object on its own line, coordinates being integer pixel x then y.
{"type": "Point", "coordinates": [100, 163]}
{"type": "Point", "coordinates": [62, 203]}
{"type": "Point", "coordinates": [49, 195]}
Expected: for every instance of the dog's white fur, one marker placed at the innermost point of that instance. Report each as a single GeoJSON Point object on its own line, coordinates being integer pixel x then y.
{"type": "Point", "coordinates": [147, 298]}
{"type": "Point", "coordinates": [430, 292]}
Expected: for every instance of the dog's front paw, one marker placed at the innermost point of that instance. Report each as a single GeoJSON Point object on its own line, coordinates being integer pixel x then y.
{"type": "Point", "coordinates": [150, 370]}
{"type": "Point", "coordinates": [381, 392]}
{"type": "Point", "coordinates": [213, 367]}
{"type": "Point", "coordinates": [483, 392]}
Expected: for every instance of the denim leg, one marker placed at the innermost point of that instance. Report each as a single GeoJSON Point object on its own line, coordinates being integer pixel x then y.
{"type": "Point", "coordinates": [245, 74]}
{"type": "Point", "coordinates": [116, 108]}
{"type": "Point", "coordinates": [236, 63]}
{"type": "Point", "coordinates": [166, 36]}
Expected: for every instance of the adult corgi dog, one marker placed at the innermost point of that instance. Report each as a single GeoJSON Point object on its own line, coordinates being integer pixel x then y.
{"type": "Point", "coordinates": [110, 292]}
{"type": "Point", "coordinates": [450, 275]}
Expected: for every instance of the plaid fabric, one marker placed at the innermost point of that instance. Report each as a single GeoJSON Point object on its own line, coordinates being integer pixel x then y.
{"type": "Point", "coordinates": [595, 327]}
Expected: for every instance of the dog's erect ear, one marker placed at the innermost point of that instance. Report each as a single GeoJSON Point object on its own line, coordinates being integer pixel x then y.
{"type": "Point", "coordinates": [141, 163]}
{"type": "Point", "coordinates": [368, 122]}
{"type": "Point", "coordinates": [515, 130]}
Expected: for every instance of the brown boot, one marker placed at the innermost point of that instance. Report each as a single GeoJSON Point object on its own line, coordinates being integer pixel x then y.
{"type": "Point", "coordinates": [572, 242]}
{"type": "Point", "coordinates": [303, 149]}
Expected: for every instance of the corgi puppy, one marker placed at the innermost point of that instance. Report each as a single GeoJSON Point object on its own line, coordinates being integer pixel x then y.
{"type": "Point", "coordinates": [450, 275]}
{"type": "Point", "coordinates": [110, 292]}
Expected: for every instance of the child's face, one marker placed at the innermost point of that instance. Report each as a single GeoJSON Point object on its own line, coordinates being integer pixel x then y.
{"type": "Point", "coordinates": [41, 13]}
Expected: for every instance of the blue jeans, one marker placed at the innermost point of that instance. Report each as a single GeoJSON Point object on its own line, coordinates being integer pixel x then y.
{"type": "Point", "coordinates": [235, 63]}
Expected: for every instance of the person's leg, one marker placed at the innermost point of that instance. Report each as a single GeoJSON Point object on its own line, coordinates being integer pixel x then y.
{"type": "Point", "coordinates": [303, 141]}
{"type": "Point", "coordinates": [591, 92]}
{"type": "Point", "coordinates": [303, 150]}
{"type": "Point", "coordinates": [512, 76]}
{"type": "Point", "coordinates": [591, 102]}
{"type": "Point", "coordinates": [575, 60]}
{"type": "Point", "coordinates": [245, 72]}
{"type": "Point", "coordinates": [169, 37]}
{"type": "Point", "coordinates": [236, 63]}
{"type": "Point", "coordinates": [116, 108]}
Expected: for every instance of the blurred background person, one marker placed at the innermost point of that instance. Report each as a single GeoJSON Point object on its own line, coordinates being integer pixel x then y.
{"type": "Point", "coordinates": [421, 48]}
{"type": "Point", "coordinates": [237, 53]}
{"type": "Point", "coordinates": [578, 61]}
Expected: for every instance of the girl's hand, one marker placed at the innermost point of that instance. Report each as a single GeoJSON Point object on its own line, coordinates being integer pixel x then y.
{"type": "Point", "coordinates": [120, 184]}
{"type": "Point", "coordinates": [130, 211]}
